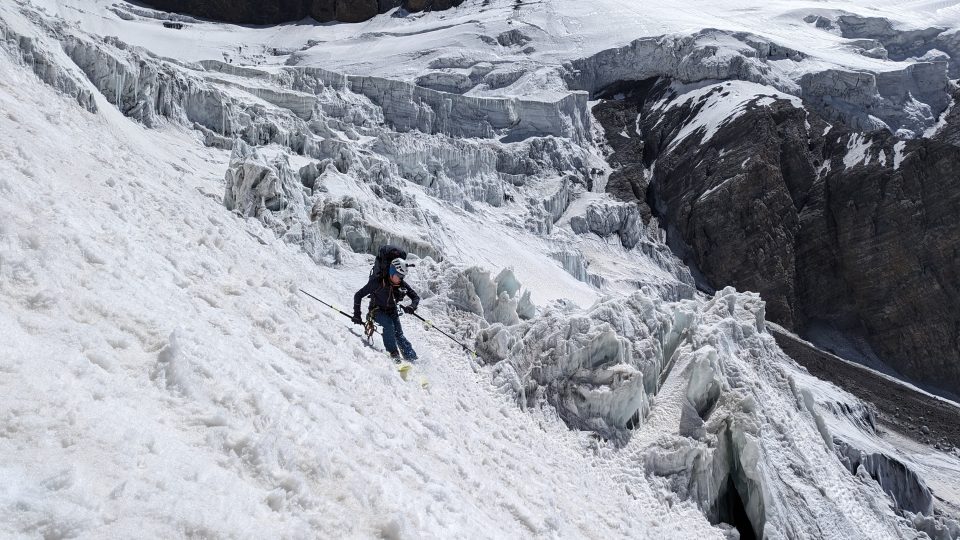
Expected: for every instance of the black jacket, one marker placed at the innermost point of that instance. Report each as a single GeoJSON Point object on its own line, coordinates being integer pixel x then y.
{"type": "Point", "coordinates": [385, 295]}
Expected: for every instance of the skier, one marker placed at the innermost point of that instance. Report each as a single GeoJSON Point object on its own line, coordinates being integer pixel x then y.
{"type": "Point", "coordinates": [386, 291]}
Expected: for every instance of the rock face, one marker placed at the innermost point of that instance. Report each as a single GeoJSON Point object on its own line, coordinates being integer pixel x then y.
{"type": "Point", "coordinates": [430, 5]}
{"type": "Point", "coordinates": [239, 12]}
{"type": "Point", "coordinates": [851, 231]}
{"type": "Point", "coordinates": [278, 11]}
{"type": "Point", "coordinates": [628, 180]}
{"type": "Point", "coordinates": [896, 237]}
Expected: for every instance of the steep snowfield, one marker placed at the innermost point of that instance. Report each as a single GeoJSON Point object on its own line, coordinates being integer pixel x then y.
{"type": "Point", "coordinates": [162, 376]}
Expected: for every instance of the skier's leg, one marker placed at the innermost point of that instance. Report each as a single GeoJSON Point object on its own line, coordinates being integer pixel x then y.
{"type": "Point", "coordinates": [386, 323]}
{"type": "Point", "coordinates": [406, 349]}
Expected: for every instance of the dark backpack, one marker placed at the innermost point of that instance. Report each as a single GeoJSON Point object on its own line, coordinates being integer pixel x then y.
{"type": "Point", "coordinates": [386, 254]}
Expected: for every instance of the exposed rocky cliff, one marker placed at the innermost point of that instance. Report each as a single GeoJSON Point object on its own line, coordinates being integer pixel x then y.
{"type": "Point", "coordinates": [836, 229]}
{"type": "Point", "coordinates": [277, 11]}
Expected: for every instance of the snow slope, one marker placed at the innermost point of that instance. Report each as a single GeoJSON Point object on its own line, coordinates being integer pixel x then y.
{"type": "Point", "coordinates": [162, 377]}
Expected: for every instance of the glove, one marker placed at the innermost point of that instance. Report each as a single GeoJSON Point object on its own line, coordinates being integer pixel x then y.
{"type": "Point", "coordinates": [356, 319]}
{"type": "Point", "coordinates": [408, 309]}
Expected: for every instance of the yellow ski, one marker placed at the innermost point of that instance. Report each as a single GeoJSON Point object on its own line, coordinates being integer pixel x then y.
{"type": "Point", "coordinates": [404, 369]}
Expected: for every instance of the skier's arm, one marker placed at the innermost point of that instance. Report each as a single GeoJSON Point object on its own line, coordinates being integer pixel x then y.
{"type": "Point", "coordinates": [357, 298]}
{"type": "Point", "coordinates": [414, 297]}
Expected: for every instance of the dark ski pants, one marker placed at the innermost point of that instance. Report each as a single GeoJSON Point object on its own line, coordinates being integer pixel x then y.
{"type": "Point", "coordinates": [393, 335]}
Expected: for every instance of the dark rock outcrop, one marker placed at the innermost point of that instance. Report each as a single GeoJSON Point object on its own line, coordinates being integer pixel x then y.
{"type": "Point", "coordinates": [628, 180]}
{"type": "Point", "coordinates": [857, 232]}
{"type": "Point", "coordinates": [430, 5]}
{"type": "Point", "coordinates": [948, 130]}
{"type": "Point", "coordinates": [243, 12]}
{"type": "Point", "coordinates": [278, 11]}
{"type": "Point", "coordinates": [344, 10]}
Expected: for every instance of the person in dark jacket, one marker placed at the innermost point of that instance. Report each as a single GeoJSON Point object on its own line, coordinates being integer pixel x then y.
{"type": "Point", "coordinates": [386, 292]}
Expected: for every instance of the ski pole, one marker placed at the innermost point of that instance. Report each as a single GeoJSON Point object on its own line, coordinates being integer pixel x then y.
{"type": "Point", "coordinates": [335, 308]}
{"type": "Point", "coordinates": [344, 313]}
{"type": "Point", "coordinates": [430, 325]}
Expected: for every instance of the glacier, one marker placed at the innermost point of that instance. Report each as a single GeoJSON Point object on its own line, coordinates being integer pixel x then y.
{"type": "Point", "coordinates": [166, 194]}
